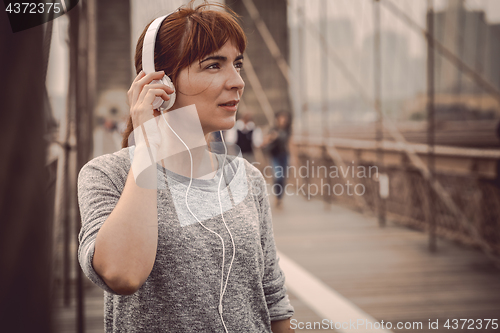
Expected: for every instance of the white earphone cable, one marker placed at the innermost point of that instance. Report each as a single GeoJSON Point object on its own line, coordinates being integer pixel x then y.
{"type": "Point", "coordinates": [232, 240]}
{"type": "Point", "coordinates": [222, 290]}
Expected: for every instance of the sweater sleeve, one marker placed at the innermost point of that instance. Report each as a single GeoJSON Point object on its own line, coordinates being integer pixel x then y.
{"type": "Point", "coordinates": [273, 280]}
{"type": "Point", "coordinates": [97, 197]}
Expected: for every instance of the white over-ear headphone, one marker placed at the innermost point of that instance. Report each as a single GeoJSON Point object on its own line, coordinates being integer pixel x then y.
{"type": "Point", "coordinates": [148, 63]}
{"type": "Point", "coordinates": [148, 66]}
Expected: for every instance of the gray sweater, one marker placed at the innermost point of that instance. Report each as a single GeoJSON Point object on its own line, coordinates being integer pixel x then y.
{"type": "Point", "coordinates": [182, 291]}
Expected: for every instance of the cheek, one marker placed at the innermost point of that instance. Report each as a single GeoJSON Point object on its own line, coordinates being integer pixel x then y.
{"type": "Point", "coordinates": [210, 94]}
{"type": "Point", "coordinates": [201, 90]}
{"type": "Point", "coordinates": [192, 85]}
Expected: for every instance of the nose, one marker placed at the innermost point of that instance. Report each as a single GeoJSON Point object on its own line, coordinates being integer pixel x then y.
{"type": "Point", "coordinates": [234, 80]}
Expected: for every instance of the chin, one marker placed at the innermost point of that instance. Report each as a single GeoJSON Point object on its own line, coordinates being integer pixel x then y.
{"type": "Point", "coordinates": [227, 123]}
{"type": "Point", "coordinates": [220, 124]}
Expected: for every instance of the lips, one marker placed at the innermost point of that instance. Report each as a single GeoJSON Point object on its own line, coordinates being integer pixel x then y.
{"type": "Point", "coordinates": [230, 103]}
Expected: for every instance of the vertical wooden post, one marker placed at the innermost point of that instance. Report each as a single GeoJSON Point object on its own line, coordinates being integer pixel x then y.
{"type": "Point", "coordinates": [303, 71]}
{"type": "Point", "coordinates": [302, 21]}
{"type": "Point", "coordinates": [83, 76]}
{"type": "Point", "coordinates": [79, 31]}
{"type": "Point", "coordinates": [323, 8]}
{"type": "Point", "coordinates": [377, 92]}
{"type": "Point", "coordinates": [25, 231]}
{"type": "Point", "coordinates": [430, 124]}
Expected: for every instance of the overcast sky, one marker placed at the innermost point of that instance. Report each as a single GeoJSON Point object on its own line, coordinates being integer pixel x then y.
{"type": "Point", "coordinates": [360, 13]}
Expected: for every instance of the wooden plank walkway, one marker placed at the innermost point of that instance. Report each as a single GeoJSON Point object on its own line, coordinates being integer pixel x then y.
{"type": "Point", "coordinates": [386, 272]}
{"type": "Point", "coordinates": [65, 317]}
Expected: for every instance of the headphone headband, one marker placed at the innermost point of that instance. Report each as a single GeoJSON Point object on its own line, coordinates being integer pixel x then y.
{"type": "Point", "coordinates": [148, 47]}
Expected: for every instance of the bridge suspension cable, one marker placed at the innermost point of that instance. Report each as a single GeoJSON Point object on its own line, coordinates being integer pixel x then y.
{"type": "Point", "coordinates": [288, 75]}
{"type": "Point", "coordinates": [389, 125]}
{"type": "Point", "coordinates": [453, 58]}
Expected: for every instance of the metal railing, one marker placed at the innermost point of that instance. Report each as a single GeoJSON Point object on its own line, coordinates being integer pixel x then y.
{"type": "Point", "coordinates": [475, 188]}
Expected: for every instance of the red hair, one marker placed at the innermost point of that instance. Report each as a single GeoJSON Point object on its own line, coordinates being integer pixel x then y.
{"type": "Point", "coordinates": [188, 35]}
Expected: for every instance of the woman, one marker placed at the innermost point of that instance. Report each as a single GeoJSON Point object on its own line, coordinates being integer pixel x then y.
{"type": "Point", "coordinates": [276, 143]}
{"type": "Point", "coordinates": [163, 269]}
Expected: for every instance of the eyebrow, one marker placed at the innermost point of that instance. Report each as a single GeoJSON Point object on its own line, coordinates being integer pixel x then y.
{"type": "Point", "coordinates": [222, 58]}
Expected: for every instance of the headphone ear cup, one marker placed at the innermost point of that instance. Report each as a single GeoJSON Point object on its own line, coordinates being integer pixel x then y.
{"type": "Point", "coordinates": [168, 104]}
{"type": "Point", "coordinates": [161, 104]}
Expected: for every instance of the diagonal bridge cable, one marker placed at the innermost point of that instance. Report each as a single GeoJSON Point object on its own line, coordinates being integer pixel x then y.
{"type": "Point", "coordinates": [288, 75]}
{"type": "Point", "coordinates": [454, 59]}
{"type": "Point", "coordinates": [389, 125]}
{"type": "Point", "coordinates": [409, 150]}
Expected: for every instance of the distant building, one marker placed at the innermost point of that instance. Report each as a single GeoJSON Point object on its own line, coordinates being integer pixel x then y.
{"type": "Point", "coordinates": [274, 15]}
{"type": "Point", "coordinates": [308, 71]}
{"type": "Point", "coordinates": [466, 34]}
{"type": "Point", "coordinates": [400, 73]}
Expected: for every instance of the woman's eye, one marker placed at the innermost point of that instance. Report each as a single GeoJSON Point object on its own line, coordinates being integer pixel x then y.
{"type": "Point", "coordinates": [213, 66]}
{"type": "Point", "coordinates": [239, 65]}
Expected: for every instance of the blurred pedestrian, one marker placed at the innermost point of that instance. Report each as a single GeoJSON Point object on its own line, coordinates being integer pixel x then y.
{"type": "Point", "coordinates": [246, 135]}
{"type": "Point", "coordinates": [276, 145]}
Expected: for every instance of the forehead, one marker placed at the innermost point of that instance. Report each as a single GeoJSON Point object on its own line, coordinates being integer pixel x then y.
{"type": "Point", "coordinates": [229, 49]}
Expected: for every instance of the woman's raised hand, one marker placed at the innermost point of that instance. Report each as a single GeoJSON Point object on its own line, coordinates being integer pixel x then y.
{"type": "Point", "coordinates": [141, 95]}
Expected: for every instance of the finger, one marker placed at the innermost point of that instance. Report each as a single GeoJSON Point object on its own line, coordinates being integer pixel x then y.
{"type": "Point", "coordinates": [168, 89]}
{"type": "Point", "coordinates": [137, 86]}
{"type": "Point", "coordinates": [152, 86]}
{"type": "Point", "coordinates": [157, 76]}
{"type": "Point", "coordinates": [150, 77]}
{"type": "Point", "coordinates": [130, 92]}
{"type": "Point", "coordinates": [139, 76]}
{"type": "Point", "coordinates": [152, 94]}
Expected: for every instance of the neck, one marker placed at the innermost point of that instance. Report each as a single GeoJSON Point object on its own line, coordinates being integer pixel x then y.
{"type": "Point", "coordinates": [204, 162]}
{"type": "Point", "coordinates": [173, 153]}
